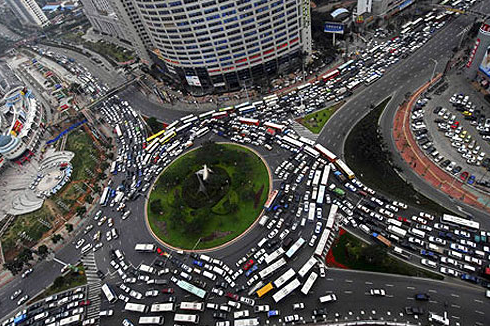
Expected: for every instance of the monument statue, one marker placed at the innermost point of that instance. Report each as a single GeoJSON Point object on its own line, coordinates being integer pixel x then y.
{"type": "Point", "coordinates": [202, 176]}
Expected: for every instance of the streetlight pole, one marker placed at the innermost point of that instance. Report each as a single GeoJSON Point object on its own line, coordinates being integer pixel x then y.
{"type": "Point", "coordinates": [434, 70]}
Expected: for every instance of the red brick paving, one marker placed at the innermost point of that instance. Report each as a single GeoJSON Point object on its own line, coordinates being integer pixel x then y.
{"type": "Point", "coordinates": [423, 166]}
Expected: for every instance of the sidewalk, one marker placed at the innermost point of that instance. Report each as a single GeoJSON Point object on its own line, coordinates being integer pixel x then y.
{"type": "Point", "coordinates": [424, 167]}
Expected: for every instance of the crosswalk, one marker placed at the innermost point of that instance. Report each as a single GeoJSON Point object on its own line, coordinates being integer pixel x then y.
{"type": "Point", "coordinates": [303, 131]}
{"type": "Point", "coordinates": [94, 283]}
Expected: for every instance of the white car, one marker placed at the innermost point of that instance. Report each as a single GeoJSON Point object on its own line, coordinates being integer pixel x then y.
{"type": "Point", "coordinates": [27, 272]}
{"type": "Point", "coordinates": [125, 288]}
{"type": "Point", "coordinates": [22, 300]}
{"type": "Point", "coordinates": [123, 298]}
{"type": "Point", "coordinates": [151, 293]}
{"type": "Point", "coordinates": [291, 318]}
{"type": "Point", "coordinates": [449, 271]}
{"type": "Point", "coordinates": [298, 306]}
{"type": "Point", "coordinates": [318, 227]}
{"type": "Point", "coordinates": [428, 263]}
{"type": "Point", "coordinates": [262, 308]}
{"type": "Point", "coordinates": [135, 294]}
{"type": "Point", "coordinates": [378, 292]}
{"type": "Point", "coordinates": [312, 240]}
{"type": "Point", "coordinates": [15, 294]}
{"type": "Point", "coordinates": [218, 292]}
{"type": "Point", "coordinates": [79, 243]}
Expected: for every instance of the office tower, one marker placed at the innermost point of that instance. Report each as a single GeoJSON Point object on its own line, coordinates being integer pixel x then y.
{"type": "Point", "coordinates": [28, 12]}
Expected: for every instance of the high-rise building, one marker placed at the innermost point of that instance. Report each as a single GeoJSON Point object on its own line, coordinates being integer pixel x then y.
{"type": "Point", "coordinates": [109, 19]}
{"type": "Point", "coordinates": [210, 45]}
{"type": "Point", "coordinates": [220, 44]}
{"type": "Point", "coordinates": [28, 12]}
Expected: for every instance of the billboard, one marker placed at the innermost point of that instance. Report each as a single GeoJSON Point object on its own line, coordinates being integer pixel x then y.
{"type": "Point", "coordinates": [485, 63]}
{"type": "Point", "coordinates": [193, 81]}
{"type": "Point", "coordinates": [332, 27]}
{"type": "Point", "coordinates": [364, 6]}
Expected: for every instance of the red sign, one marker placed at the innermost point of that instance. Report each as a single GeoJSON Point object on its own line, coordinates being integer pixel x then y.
{"type": "Point", "coordinates": [17, 126]}
{"type": "Point", "coordinates": [472, 54]}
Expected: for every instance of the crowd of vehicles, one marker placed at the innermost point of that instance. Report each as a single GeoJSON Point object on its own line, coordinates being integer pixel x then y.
{"type": "Point", "coordinates": [317, 193]}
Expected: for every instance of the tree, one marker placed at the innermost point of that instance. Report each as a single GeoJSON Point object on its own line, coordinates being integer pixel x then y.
{"type": "Point", "coordinates": [55, 238]}
{"type": "Point", "coordinates": [42, 251]}
{"type": "Point", "coordinates": [81, 210]}
{"type": "Point", "coordinates": [69, 227]}
{"type": "Point", "coordinates": [374, 254]}
{"type": "Point", "coordinates": [25, 255]}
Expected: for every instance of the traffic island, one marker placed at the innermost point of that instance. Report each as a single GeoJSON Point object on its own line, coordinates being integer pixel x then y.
{"type": "Point", "coordinates": [208, 196]}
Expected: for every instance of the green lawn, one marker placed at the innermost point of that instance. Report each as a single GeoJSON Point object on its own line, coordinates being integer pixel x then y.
{"type": "Point", "coordinates": [80, 143]}
{"type": "Point", "coordinates": [365, 155]}
{"type": "Point", "coordinates": [28, 224]}
{"type": "Point", "coordinates": [316, 120]}
{"type": "Point", "coordinates": [356, 254]}
{"type": "Point", "coordinates": [225, 214]}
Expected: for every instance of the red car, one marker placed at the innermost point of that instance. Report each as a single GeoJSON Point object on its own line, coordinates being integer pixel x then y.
{"type": "Point", "coordinates": [168, 290]}
{"type": "Point", "coordinates": [232, 296]}
{"type": "Point", "coordinates": [464, 176]}
{"type": "Point", "coordinates": [455, 125]}
{"type": "Point", "coordinates": [248, 264]}
{"type": "Point", "coordinates": [84, 303]}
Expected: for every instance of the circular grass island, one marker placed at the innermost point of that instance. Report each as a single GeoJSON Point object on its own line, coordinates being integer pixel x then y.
{"type": "Point", "coordinates": [188, 212]}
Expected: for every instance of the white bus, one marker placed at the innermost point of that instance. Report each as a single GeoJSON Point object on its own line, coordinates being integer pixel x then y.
{"type": "Point", "coordinates": [196, 306]}
{"type": "Point", "coordinates": [105, 196]}
{"type": "Point", "coordinates": [309, 283]}
{"type": "Point", "coordinates": [71, 320]}
{"type": "Point", "coordinates": [331, 216]}
{"type": "Point", "coordinates": [146, 268]}
{"type": "Point", "coordinates": [274, 255]}
{"type": "Point", "coordinates": [118, 131]}
{"type": "Point", "coordinates": [109, 293]}
{"type": "Point", "coordinates": [307, 266]}
{"type": "Point", "coordinates": [394, 222]}
{"type": "Point", "coordinates": [461, 222]}
{"type": "Point", "coordinates": [151, 320]}
{"type": "Point", "coordinates": [311, 151]}
{"type": "Point", "coordinates": [201, 132]}
{"type": "Point", "coordinates": [145, 247]}
{"type": "Point", "coordinates": [136, 307]}
{"type": "Point", "coordinates": [272, 268]}
{"type": "Point", "coordinates": [407, 25]}
{"type": "Point", "coordinates": [320, 247]}
{"type": "Point", "coordinates": [397, 230]}
{"type": "Point", "coordinates": [186, 318]}
{"type": "Point", "coordinates": [162, 307]}
{"type": "Point", "coordinates": [316, 178]}
{"type": "Point", "coordinates": [289, 288]}
{"type": "Point", "coordinates": [292, 141]}
{"type": "Point", "coordinates": [326, 172]}
{"type": "Point", "coordinates": [371, 79]}
{"type": "Point", "coordinates": [281, 280]}
{"type": "Point", "coordinates": [321, 195]}
{"type": "Point", "coordinates": [205, 115]}
{"type": "Point", "coordinates": [295, 247]}
{"type": "Point", "coordinates": [247, 322]}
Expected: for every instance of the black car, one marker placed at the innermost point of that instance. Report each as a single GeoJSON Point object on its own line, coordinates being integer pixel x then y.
{"type": "Point", "coordinates": [100, 274]}
{"type": "Point", "coordinates": [222, 285]}
{"type": "Point", "coordinates": [319, 312]}
{"type": "Point", "coordinates": [220, 315]}
{"type": "Point", "coordinates": [414, 310]}
{"type": "Point", "coordinates": [159, 263]}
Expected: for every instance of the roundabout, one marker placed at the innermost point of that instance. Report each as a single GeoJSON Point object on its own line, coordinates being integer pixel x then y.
{"type": "Point", "coordinates": [208, 196]}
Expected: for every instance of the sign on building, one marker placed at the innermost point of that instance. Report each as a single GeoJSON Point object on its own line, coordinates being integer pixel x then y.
{"type": "Point", "coordinates": [332, 27]}
{"type": "Point", "coordinates": [193, 81]}
{"type": "Point", "coordinates": [364, 6]}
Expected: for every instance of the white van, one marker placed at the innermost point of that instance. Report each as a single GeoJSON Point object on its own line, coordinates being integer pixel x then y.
{"type": "Point", "coordinates": [469, 268]}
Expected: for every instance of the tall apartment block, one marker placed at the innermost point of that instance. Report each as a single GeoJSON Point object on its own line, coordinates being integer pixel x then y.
{"type": "Point", "coordinates": [218, 45]}
{"type": "Point", "coordinates": [28, 12]}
